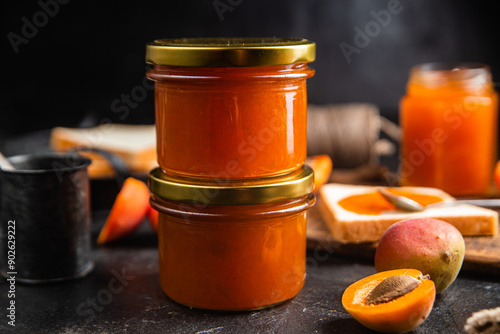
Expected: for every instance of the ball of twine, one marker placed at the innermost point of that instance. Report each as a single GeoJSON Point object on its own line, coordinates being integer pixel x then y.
{"type": "Point", "coordinates": [349, 133]}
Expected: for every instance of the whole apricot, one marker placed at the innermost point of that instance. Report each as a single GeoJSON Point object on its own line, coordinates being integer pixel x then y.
{"type": "Point", "coordinates": [433, 246]}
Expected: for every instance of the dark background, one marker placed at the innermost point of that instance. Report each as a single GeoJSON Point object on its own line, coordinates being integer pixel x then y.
{"type": "Point", "coordinates": [87, 54]}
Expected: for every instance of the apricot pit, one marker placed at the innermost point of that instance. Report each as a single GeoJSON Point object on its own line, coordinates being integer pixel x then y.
{"type": "Point", "coordinates": [391, 288]}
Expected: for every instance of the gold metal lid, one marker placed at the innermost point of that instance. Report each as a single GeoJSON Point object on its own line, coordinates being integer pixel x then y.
{"type": "Point", "coordinates": [239, 192]}
{"type": "Point", "coordinates": [222, 52]}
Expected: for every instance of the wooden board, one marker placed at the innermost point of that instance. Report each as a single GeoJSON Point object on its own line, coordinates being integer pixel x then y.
{"type": "Point", "coordinates": [482, 254]}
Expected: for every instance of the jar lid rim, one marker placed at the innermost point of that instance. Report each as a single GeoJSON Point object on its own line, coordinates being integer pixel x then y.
{"type": "Point", "coordinates": [232, 192]}
{"type": "Point", "coordinates": [451, 66]}
{"type": "Point", "coordinates": [438, 74]}
{"type": "Point", "coordinates": [230, 51]}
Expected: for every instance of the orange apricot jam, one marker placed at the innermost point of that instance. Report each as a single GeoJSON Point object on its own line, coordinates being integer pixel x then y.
{"type": "Point", "coordinates": [373, 203]}
{"type": "Point", "coordinates": [449, 123]}
{"type": "Point", "coordinates": [230, 108]}
{"type": "Point", "coordinates": [225, 255]}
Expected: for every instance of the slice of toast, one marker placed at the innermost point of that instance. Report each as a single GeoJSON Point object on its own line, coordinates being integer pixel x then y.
{"type": "Point", "coordinates": [135, 144]}
{"type": "Point", "coordinates": [352, 227]}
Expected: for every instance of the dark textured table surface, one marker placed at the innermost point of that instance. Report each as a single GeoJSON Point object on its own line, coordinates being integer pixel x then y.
{"type": "Point", "coordinates": [122, 295]}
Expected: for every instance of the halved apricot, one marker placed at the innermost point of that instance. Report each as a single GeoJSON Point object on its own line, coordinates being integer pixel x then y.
{"type": "Point", "coordinates": [322, 167]}
{"type": "Point", "coordinates": [128, 211]}
{"type": "Point", "coordinates": [496, 175]}
{"type": "Point", "coordinates": [153, 218]}
{"type": "Point", "coordinates": [399, 315]}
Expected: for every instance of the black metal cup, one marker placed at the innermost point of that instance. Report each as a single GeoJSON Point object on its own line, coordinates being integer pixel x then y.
{"type": "Point", "coordinates": [45, 224]}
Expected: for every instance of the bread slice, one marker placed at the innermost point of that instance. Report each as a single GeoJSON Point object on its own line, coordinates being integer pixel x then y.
{"type": "Point", "coordinates": [351, 227]}
{"type": "Point", "coordinates": [135, 144]}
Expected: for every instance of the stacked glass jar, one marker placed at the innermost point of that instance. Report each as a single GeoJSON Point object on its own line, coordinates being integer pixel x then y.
{"type": "Point", "coordinates": [231, 188]}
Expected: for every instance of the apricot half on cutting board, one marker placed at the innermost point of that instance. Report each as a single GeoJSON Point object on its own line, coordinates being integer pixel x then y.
{"type": "Point", "coordinates": [394, 301]}
{"type": "Point", "coordinates": [496, 175]}
{"type": "Point", "coordinates": [322, 167]}
{"type": "Point", "coordinates": [128, 211]}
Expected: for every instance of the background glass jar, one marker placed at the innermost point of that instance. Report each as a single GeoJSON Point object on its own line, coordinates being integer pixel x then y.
{"type": "Point", "coordinates": [230, 108]}
{"type": "Point", "coordinates": [449, 122]}
{"type": "Point", "coordinates": [239, 246]}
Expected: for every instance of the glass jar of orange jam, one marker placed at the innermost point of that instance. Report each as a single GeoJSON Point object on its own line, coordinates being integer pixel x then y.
{"type": "Point", "coordinates": [232, 246]}
{"type": "Point", "coordinates": [230, 108]}
{"type": "Point", "coordinates": [449, 123]}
